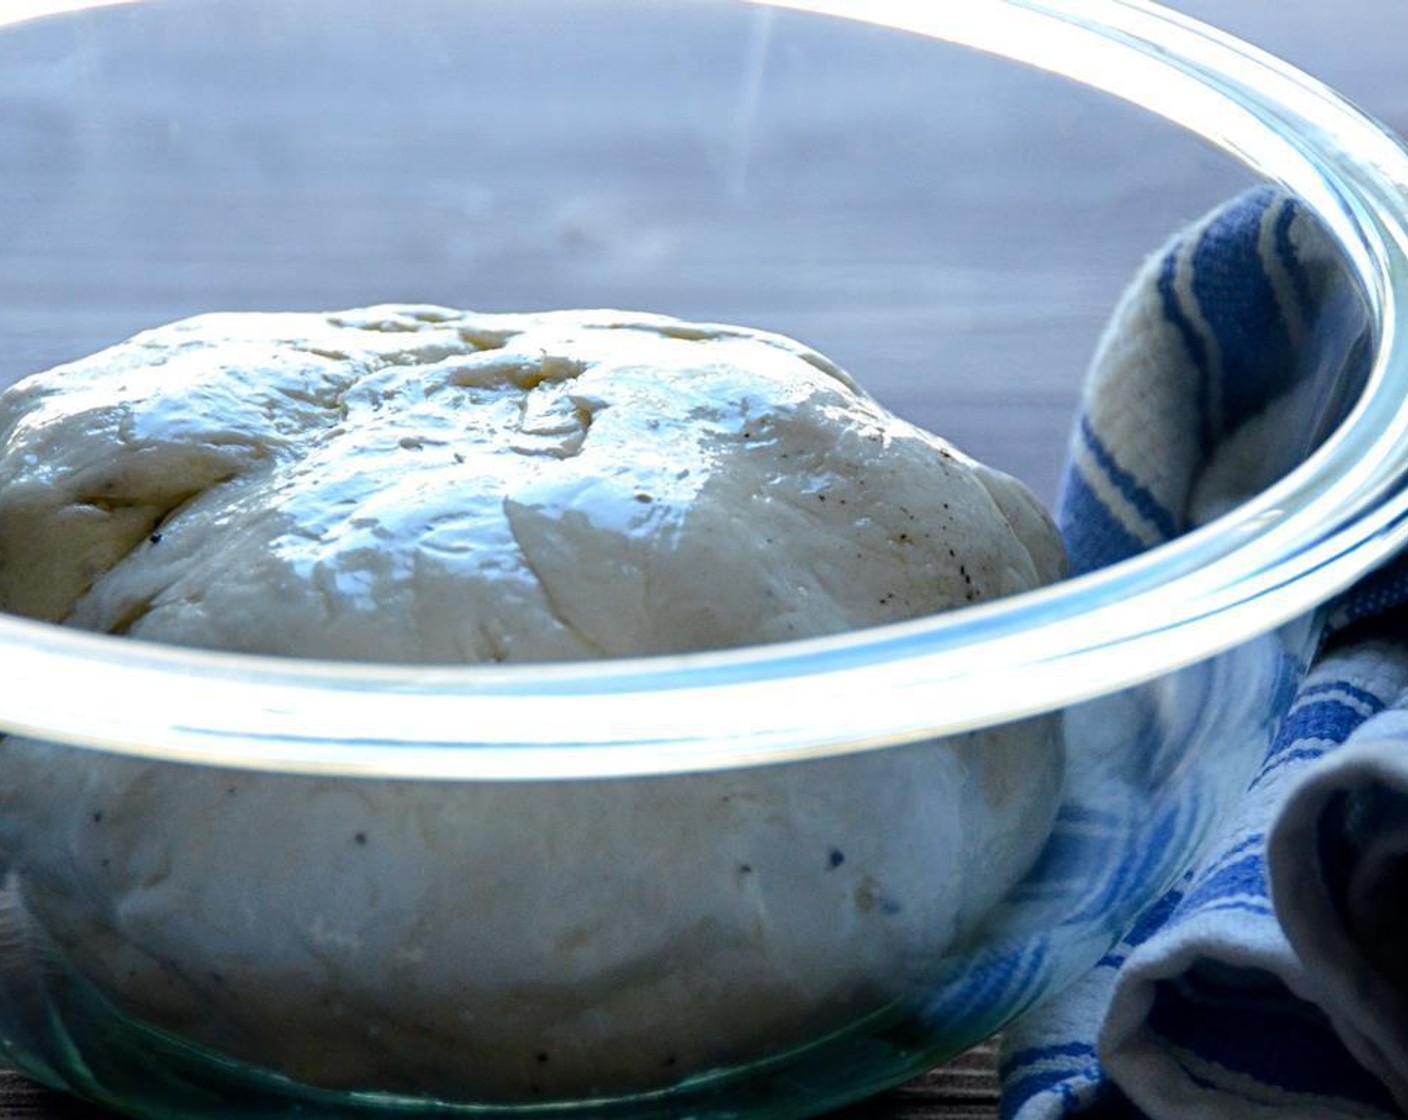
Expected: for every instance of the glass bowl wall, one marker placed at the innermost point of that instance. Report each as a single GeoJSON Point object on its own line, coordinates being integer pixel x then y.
{"type": "Point", "coordinates": [768, 880]}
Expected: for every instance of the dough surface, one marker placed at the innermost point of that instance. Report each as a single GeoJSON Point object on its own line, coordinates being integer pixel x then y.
{"type": "Point", "coordinates": [422, 485]}
{"type": "Point", "coordinates": [417, 484]}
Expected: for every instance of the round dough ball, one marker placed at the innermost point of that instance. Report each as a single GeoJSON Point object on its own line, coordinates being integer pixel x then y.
{"type": "Point", "coordinates": [415, 484]}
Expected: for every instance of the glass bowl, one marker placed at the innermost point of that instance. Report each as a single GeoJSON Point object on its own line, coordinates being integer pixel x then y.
{"type": "Point", "coordinates": [766, 880]}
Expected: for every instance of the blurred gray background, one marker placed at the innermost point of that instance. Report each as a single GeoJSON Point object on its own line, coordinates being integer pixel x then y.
{"type": "Point", "coordinates": [949, 227]}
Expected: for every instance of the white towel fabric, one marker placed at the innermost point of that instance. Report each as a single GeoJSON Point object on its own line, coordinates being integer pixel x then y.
{"type": "Point", "coordinates": [1272, 980]}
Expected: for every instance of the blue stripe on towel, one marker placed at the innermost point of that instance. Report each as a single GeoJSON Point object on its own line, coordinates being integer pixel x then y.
{"type": "Point", "coordinates": [1258, 907]}
{"type": "Point", "coordinates": [1289, 259]}
{"type": "Point", "coordinates": [1286, 758]}
{"type": "Point", "coordinates": [1244, 878]}
{"type": "Point", "coordinates": [1254, 842]}
{"type": "Point", "coordinates": [1059, 1067]}
{"type": "Point", "coordinates": [998, 978]}
{"type": "Point", "coordinates": [1309, 726]}
{"type": "Point", "coordinates": [1153, 919]}
{"type": "Point", "coordinates": [1034, 1054]}
{"type": "Point", "coordinates": [1192, 340]}
{"type": "Point", "coordinates": [1022, 1089]}
{"type": "Point", "coordinates": [1238, 303]}
{"type": "Point", "coordinates": [1252, 845]}
{"type": "Point", "coordinates": [1094, 536]}
{"type": "Point", "coordinates": [1320, 719]}
{"type": "Point", "coordinates": [1374, 703]}
{"type": "Point", "coordinates": [1129, 487]}
{"type": "Point", "coordinates": [1019, 1091]}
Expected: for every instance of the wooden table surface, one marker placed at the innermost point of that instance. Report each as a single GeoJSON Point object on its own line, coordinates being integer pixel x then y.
{"type": "Point", "coordinates": [951, 230]}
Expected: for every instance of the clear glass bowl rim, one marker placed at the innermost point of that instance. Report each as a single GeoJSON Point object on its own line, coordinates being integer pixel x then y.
{"type": "Point", "coordinates": [1276, 558]}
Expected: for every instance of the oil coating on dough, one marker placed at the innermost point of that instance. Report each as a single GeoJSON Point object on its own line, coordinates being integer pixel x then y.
{"type": "Point", "coordinates": [416, 484]}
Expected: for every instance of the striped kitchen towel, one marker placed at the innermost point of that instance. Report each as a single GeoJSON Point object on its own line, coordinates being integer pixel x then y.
{"type": "Point", "coordinates": [1271, 981]}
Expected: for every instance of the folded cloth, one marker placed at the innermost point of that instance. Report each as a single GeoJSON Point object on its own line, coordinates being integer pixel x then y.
{"type": "Point", "coordinates": [1219, 372]}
